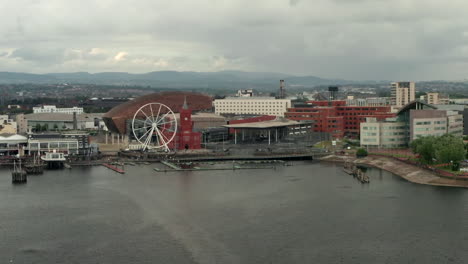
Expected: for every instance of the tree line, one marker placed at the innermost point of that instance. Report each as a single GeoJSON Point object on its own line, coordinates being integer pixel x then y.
{"type": "Point", "coordinates": [440, 149]}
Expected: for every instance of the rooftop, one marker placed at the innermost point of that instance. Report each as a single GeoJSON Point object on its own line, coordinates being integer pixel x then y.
{"type": "Point", "coordinates": [416, 105]}
{"type": "Point", "coordinates": [202, 115]}
{"type": "Point", "coordinates": [251, 98]}
{"type": "Point", "coordinates": [13, 137]}
{"type": "Point", "coordinates": [62, 117]}
{"type": "Point", "coordinates": [281, 122]}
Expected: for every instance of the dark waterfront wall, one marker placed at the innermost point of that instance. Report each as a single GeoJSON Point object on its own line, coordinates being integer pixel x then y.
{"type": "Point", "coordinates": [306, 213]}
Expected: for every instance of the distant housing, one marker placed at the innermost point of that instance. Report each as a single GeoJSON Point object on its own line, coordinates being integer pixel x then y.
{"type": "Point", "coordinates": [245, 93]}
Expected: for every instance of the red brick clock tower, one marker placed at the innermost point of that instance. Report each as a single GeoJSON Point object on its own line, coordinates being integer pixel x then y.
{"type": "Point", "coordinates": [186, 138]}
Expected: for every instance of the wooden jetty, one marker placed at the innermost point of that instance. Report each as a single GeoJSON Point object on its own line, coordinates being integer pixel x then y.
{"type": "Point", "coordinates": [171, 165]}
{"type": "Point", "coordinates": [18, 175]}
{"type": "Point", "coordinates": [114, 168]}
{"type": "Point", "coordinates": [348, 167]}
{"type": "Point", "coordinates": [36, 167]}
{"type": "Point", "coordinates": [351, 169]}
{"type": "Point", "coordinates": [362, 176]}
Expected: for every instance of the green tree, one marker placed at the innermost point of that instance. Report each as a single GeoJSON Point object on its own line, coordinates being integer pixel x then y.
{"type": "Point", "coordinates": [466, 150]}
{"type": "Point", "coordinates": [442, 149]}
{"type": "Point", "coordinates": [425, 148]}
{"type": "Point", "coordinates": [55, 127]}
{"type": "Point", "coordinates": [38, 127]}
{"type": "Point", "coordinates": [360, 153]}
{"type": "Point", "coordinates": [449, 148]}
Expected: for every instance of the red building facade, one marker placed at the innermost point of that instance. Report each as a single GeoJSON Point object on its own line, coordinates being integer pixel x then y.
{"type": "Point", "coordinates": [185, 138]}
{"type": "Point", "coordinates": [325, 119]}
{"type": "Point", "coordinates": [338, 119]}
{"type": "Point", "coordinates": [353, 116]}
{"type": "Point", "coordinates": [328, 103]}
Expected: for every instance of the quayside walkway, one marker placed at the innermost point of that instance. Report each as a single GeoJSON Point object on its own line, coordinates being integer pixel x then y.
{"type": "Point", "coordinates": [407, 171]}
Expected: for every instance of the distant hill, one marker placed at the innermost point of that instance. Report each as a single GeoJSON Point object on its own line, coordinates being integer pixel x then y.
{"type": "Point", "coordinates": [173, 79]}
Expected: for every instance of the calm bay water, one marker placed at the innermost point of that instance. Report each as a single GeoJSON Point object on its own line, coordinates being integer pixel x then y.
{"type": "Point", "coordinates": [306, 213]}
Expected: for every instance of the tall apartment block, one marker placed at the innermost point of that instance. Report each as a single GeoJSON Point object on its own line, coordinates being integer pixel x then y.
{"type": "Point", "coordinates": [432, 98]}
{"type": "Point", "coordinates": [402, 93]}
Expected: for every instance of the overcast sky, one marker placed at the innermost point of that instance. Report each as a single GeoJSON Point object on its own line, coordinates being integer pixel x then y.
{"type": "Point", "coordinates": [350, 39]}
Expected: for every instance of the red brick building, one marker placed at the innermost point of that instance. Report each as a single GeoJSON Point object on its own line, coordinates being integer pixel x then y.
{"type": "Point", "coordinates": [185, 137]}
{"type": "Point", "coordinates": [325, 119]}
{"type": "Point", "coordinates": [336, 118]}
{"type": "Point", "coordinates": [328, 103]}
{"type": "Point", "coordinates": [353, 116]}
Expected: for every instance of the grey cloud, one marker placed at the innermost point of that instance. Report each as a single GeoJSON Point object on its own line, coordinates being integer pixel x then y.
{"type": "Point", "coordinates": [293, 2]}
{"type": "Point", "coordinates": [43, 56]}
{"type": "Point", "coordinates": [355, 39]}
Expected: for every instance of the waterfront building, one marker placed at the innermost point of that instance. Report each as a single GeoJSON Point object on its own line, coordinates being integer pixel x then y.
{"type": "Point", "coordinates": [271, 131]}
{"type": "Point", "coordinates": [353, 116]}
{"type": "Point", "coordinates": [413, 121]}
{"type": "Point", "coordinates": [252, 106]}
{"type": "Point", "coordinates": [460, 109]}
{"type": "Point", "coordinates": [402, 93]}
{"type": "Point", "coordinates": [214, 134]}
{"type": "Point", "coordinates": [185, 137]}
{"type": "Point", "coordinates": [61, 145]}
{"type": "Point", "coordinates": [436, 123]}
{"type": "Point", "coordinates": [12, 144]}
{"type": "Point", "coordinates": [253, 119]}
{"type": "Point", "coordinates": [383, 134]}
{"type": "Point", "coordinates": [54, 109]}
{"type": "Point", "coordinates": [118, 119]}
{"type": "Point", "coordinates": [62, 121]}
{"type": "Point", "coordinates": [336, 118]}
{"type": "Point", "coordinates": [73, 142]}
{"type": "Point", "coordinates": [325, 119]}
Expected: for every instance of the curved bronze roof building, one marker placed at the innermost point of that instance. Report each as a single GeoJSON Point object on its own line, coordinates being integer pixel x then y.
{"type": "Point", "coordinates": [116, 118]}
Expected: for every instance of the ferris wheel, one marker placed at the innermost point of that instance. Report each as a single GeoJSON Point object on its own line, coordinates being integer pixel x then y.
{"type": "Point", "coordinates": [154, 126]}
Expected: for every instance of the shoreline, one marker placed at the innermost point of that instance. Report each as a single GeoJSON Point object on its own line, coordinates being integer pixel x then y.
{"type": "Point", "coordinates": [406, 171]}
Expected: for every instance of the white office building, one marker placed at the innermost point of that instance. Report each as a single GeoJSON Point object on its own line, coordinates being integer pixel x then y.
{"type": "Point", "coordinates": [252, 106]}
{"type": "Point", "coordinates": [413, 121]}
{"type": "Point", "coordinates": [54, 109]}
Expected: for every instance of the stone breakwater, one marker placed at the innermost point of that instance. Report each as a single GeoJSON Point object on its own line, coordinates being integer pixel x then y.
{"type": "Point", "coordinates": [408, 172]}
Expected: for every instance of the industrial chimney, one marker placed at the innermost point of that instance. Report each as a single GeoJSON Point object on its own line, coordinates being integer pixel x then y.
{"type": "Point", "coordinates": [75, 121]}
{"type": "Point", "coordinates": [332, 90]}
{"type": "Point", "coordinates": [282, 92]}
